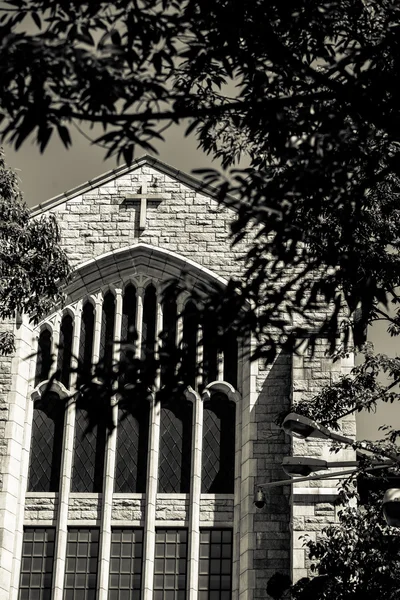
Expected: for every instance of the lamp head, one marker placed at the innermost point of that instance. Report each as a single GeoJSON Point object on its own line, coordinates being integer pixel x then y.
{"type": "Point", "coordinates": [259, 499]}
{"type": "Point", "coordinates": [303, 466]}
{"type": "Point", "coordinates": [391, 507]}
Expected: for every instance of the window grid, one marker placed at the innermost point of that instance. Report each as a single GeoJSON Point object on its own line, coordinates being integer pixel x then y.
{"type": "Point", "coordinates": [170, 565]}
{"type": "Point", "coordinates": [81, 564]}
{"type": "Point", "coordinates": [37, 563]}
{"type": "Point", "coordinates": [126, 564]}
{"type": "Point", "coordinates": [215, 566]}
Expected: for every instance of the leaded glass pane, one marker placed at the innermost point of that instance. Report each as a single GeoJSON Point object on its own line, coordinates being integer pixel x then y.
{"type": "Point", "coordinates": [65, 350]}
{"type": "Point", "coordinates": [86, 338]}
{"type": "Point", "coordinates": [189, 344]}
{"type": "Point", "coordinates": [128, 315]}
{"type": "Point", "coordinates": [126, 564]}
{"type": "Point", "coordinates": [46, 444]}
{"type": "Point", "coordinates": [149, 321]}
{"type": "Point", "coordinates": [175, 447]}
{"type": "Point", "coordinates": [89, 450]}
{"type": "Point", "coordinates": [168, 354]}
{"type": "Point", "coordinates": [43, 361]}
{"type": "Point", "coordinates": [215, 565]}
{"type": "Point", "coordinates": [37, 563]}
{"type": "Point", "coordinates": [81, 564]}
{"type": "Point", "coordinates": [218, 458]}
{"type": "Point", "coordinates": [171, 565]}
{"type": "Point", "coordinates": [132, 450]}
{"type": "Point", "coordinates": [107, 329]}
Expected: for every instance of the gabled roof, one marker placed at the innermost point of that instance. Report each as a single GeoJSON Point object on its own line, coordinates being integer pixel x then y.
{"type": "Point", "coordinates": [151, 161]}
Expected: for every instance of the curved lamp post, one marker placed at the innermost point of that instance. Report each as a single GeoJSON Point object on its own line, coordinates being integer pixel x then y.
{"type": "Point", "coordinates": [303, 427]}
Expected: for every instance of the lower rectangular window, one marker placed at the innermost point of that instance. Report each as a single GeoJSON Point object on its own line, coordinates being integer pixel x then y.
{"type": "Point", "coordinates": [81, 564]}
{"type": "Point", "coordinates": [37, 563]}
{"type": "Point", "coordinates": [126, 564]}
{"type": "Point", "coordinates": [215, 568]}
{"type": "Point", "coordinates": [170, 564]}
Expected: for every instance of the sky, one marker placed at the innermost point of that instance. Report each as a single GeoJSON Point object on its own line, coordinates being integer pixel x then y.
{"type": "Point", "coordinates": [43, 176]}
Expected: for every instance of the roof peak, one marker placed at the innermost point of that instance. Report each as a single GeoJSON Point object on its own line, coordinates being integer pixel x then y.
{"type": "Point", "coordinates": [146, 159]}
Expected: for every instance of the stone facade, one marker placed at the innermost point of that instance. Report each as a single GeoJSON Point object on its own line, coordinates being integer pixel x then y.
{"type": "Point", "coordinates": [186, 231]}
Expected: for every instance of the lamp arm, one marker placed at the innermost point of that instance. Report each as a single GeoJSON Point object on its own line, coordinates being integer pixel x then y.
{"type": "Point", "coordinates": [336, 474]}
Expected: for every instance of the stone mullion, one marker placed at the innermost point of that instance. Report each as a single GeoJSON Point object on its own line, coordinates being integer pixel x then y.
{"type": "Point", "coordinates": [66, 468]}
{"type": "Point", "coordinates": [97, 328]}
{"type": "Point", "coordinates": [199, 358]}
{"type": "Point", "coordinates": [109, 470]}
{"type": "Point", "coordinates": [195, 495]}
{"type": "Point", "coordinates": [151, 499]}
{"type": "Point", "coordinates": [55, 342]}
{"type": "Point", "coordinates": [139, 321]}
{"type": "Point", "coordinates": [24, 474]}
{"type": "Point", "coordinates": [220, 365]}
{"type": "Point", "coordinates": [152, 474]}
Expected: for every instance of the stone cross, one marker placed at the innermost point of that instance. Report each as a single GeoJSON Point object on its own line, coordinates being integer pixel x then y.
{"type": "Point", "coordinates": [142, 197]}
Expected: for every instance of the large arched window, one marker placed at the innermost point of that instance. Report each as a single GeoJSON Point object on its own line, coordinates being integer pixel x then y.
{"type": "Point", "coordinates": [175, 447]}
{"type": "Point", "coordinates": [218, 456]}
{"type": "Point", "coordinates": [132, 450]}
{"type": "Point", "coordinates": [46, 443]}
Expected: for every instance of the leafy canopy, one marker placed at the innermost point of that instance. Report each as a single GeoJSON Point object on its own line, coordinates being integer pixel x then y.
{"type": "Point", "coordinates": [32, 265]}
{"type": "Point", "coordinates": [314, 106]}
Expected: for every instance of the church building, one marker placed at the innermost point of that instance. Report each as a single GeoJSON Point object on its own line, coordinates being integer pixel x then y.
{"type": "Point", "coordinates": [163, 507]}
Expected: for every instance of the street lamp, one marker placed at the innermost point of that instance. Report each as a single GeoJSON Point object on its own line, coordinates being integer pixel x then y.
{"type": "Point", "coordinates": [303, 427]}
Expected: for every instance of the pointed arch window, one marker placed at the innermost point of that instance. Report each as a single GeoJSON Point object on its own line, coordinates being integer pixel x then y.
{"type": "Point", "coordinates": [190, 343]}
{"type": "Point", "coordinates": [132, 450]}
{"type": "Point", "coordinates": [175, 446]}
{"type": "Point", "coordinates": [149, 322]}
{"type": "Point", "coordinates": [107, 330]}
{"type": "Point", "coordinates": [43, 361]}
{"type": "Point", "coordinates": [86, 338]}
{"type": "Point", "coordinates": [65, 350]}
{"type": "Point", "coordinates": [46, 443]}
{"type": "Point", "coordinates": [218, 456]}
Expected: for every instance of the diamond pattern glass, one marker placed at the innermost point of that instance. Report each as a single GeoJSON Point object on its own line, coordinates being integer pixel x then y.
{"type": "Point", "coordinates": [89, 450]}
{"type": "Point", "coordinates": [175, 448]}
{"type": "Point", "coordinates": [125, 564]}
{"type": "Point", "coordinates": [81, 564]}
{"type": "Point", "coordinates": [189, 345]}
{"type": "Point", "coordinates": [37, 563]}
{"type": "Point", "coordinates": [215, 565]}
{"type": "Point", "coordinates": [86, 338]}
{"type": "Point", "coordinates": [46, 444]}
{"type": "Point", "coordinates": [43, 361]}
{"type": "Point", "coordinates": [149, 321]}
{"type": "Point", "coordinates": [218, 457]}
{"type": "Point", "coordinates": [107, 329]}
{"type": "Point", "coordinates": [132, 451]}
{"type": "Point", "coordinates": [65, 350]}
{"type": "Point", "coordinates": [128, 315]}
{"type": "Point", "coordinates": [170, 564]}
